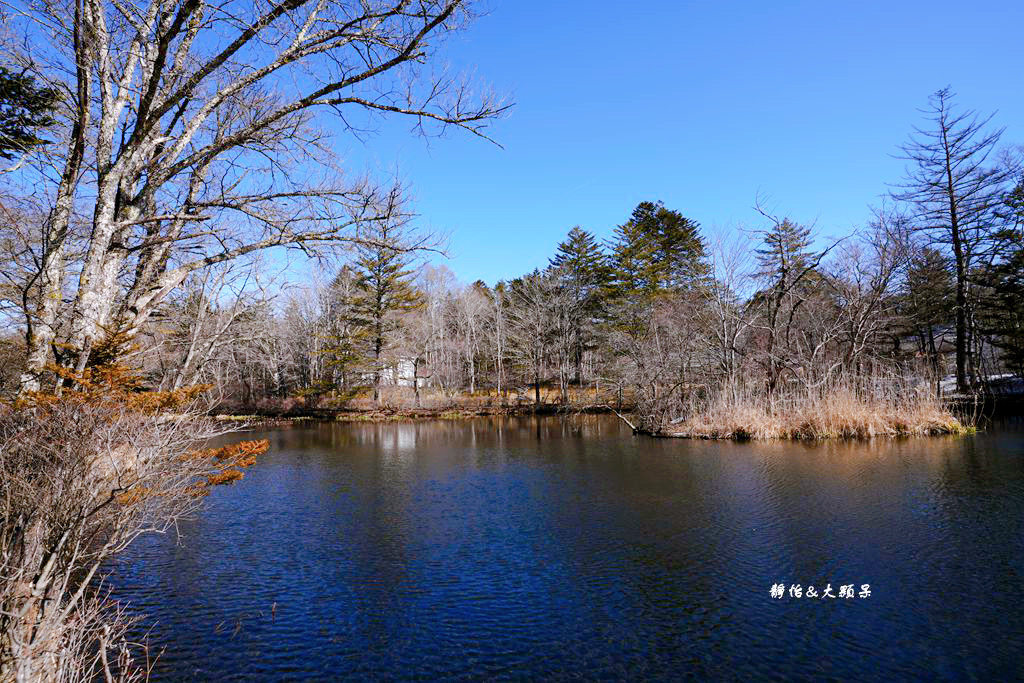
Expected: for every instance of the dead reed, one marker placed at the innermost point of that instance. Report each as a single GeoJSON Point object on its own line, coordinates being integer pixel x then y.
{"type": "Point", "coordinates": [848, 408]}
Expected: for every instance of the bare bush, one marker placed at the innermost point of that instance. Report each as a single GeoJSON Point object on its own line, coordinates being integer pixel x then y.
{"type": "Point", "coordinates": [83, 476]}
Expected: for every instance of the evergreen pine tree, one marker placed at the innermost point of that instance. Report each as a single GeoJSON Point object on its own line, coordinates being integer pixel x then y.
{"type": "Point", "coordinates": [346, 337]}
{"type": "Point", "coordinates": [680, 251]}
{"type": "Point", "coordinates": [791, 277]}
{"type": "Point", "coordinates": [928, 299]}
{"type": "Point", "coordinates": [582, 267]}
{"type": "Point", "coordinates": [656, 250]}
{"type": "Point", "coordinates": [582, 259]}
{"type": "Point", "coordinates": [1001, 309]}
{"type": "Point", "coordinates": [24, 109]}
{"type": "Point", "coordinates": [632, 257]}
{"type": "Point", "coordinates": [784, 256]}
{"type": "Point", "coordinates": [385, 291]}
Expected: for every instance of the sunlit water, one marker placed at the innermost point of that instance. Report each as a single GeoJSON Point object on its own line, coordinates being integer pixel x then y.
{"type": "Point", "coordinates": [555, 548]}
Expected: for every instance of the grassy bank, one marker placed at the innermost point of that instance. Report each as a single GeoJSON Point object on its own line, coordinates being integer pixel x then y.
{"type": "Point", "coordinates": [838, 412]}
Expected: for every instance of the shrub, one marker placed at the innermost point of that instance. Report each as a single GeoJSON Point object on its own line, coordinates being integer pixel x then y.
{"type": "Point", "coordinates": [84, 473]}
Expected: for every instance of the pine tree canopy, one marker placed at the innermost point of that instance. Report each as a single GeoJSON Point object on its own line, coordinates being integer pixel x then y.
{"type": "Point", "coordinates": [657, 249]}
{"type": "Point", "coordinates": [929, 289]}
{"type": "Point", "coordinates": [784, 255]}
{"type": "Point", "coordinates": [582, 261]}
{"type": "Point", "coordinates": [1002, 306]}
{"type": "Point", "coordinates": [24, 109]}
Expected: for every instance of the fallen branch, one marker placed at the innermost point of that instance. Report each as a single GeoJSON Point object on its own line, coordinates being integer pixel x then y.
{"type": "Point", "coordinates": [622, 417]}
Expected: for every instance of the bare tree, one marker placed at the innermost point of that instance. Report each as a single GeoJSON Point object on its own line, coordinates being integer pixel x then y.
{"type": "Point", "coordinates": [216, 309]}
{"type": "Point", "coordinates": [531, 325]}
{"type": "Point", "coordinates": [498, 335]}
{"type": "Point", "coordinates": [473, 307]}
{"type": "Point", "coordinates": [437, 285]}
{"type": "Point", "coordinates": [956, 194]}
{"type": "Point", "coordinates": [723, 315]}
{"type": "Point", "coordinates": [191, 132]}
{"type": "Point", "coordinates": [865, 279]}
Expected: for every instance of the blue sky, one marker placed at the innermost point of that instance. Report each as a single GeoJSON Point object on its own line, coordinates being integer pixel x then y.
{"type": "Point", "coordinates": [703, 105]}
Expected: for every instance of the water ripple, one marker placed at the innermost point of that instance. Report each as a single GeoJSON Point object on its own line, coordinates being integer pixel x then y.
{"type": "Point", "coordinates": [567, 549]}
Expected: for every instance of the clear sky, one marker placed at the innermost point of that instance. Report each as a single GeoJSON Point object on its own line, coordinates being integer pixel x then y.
{"type": "Point", "coordinates": [703, 105]}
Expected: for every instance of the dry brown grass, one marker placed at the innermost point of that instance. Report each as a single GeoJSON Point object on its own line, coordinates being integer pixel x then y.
{"type": "Point", "coordinates": [850, 410]}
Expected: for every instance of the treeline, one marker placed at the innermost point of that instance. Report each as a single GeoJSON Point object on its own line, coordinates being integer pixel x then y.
{"type": "Point", "coordinates": [656, 311]}
{"type": "Point", "coordinates": [660, 316]}
{"type": "Point", "coordinates": [932, 287]}
{"type": "Point", "coordinates": [378, 322]}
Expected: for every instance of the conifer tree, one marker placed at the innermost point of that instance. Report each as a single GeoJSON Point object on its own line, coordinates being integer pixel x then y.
{"type": "Point", "coordinates": [632, 258]}
{"type": "Point", "coordinates": [927, 299]}
{"type": "Point", "coordinates": [346, 338]}
{"type": "Point", "coordinates": [385, 292]}
{"type": "Point", "coordinates": [1001, 311]}
{"type": "Point", "coordinates": [25, 108]}
{"type": "Point", "coordinates": [582, 260]}
{"type": "Point", "coordinates": [657, 249]}
{"type": "Point", "coordinates": [789, 271]}
{"type": "Point", "coordinates": [679, 249]}
{"type": "Point", "coordinates": [784, 257]}
{"type": "Point", "coordinates": [582, 268]}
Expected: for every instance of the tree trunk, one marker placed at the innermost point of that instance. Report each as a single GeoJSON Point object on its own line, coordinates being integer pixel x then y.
{"type": "Point", "coordinates": [536, 386]}
{"type": "Point", "coordinates": [933, 355]}
{"type": "Point", "coordinates": [41, 332]}
{"type": "Point", "coordinates": [416, 379]}
{"type": "Point", "coordinates": [378, 347]}
{"type": "Point", "coordinates": [579, 365]}
{"type": "Point", "coordinates": [961, 274]}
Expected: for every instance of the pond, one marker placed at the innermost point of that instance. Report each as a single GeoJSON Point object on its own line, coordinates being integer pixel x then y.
{"type": "Point", "coordinates": [567, 547]}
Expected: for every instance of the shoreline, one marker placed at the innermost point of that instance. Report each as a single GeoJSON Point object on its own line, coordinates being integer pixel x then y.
{"type": "Point", "coordinates": [797, 434]}
{"type": "Point", "coordinates": [781, 428]}
{"type": "Point", "coordinates": [410, 414]}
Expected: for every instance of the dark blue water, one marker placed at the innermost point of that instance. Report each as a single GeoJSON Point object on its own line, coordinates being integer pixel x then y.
{"type": "Point", "coordinates": [568, 548]}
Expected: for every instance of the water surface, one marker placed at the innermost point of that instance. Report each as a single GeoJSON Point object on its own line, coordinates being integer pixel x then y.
{"type": "Point", "coordinates": [567, 547]}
